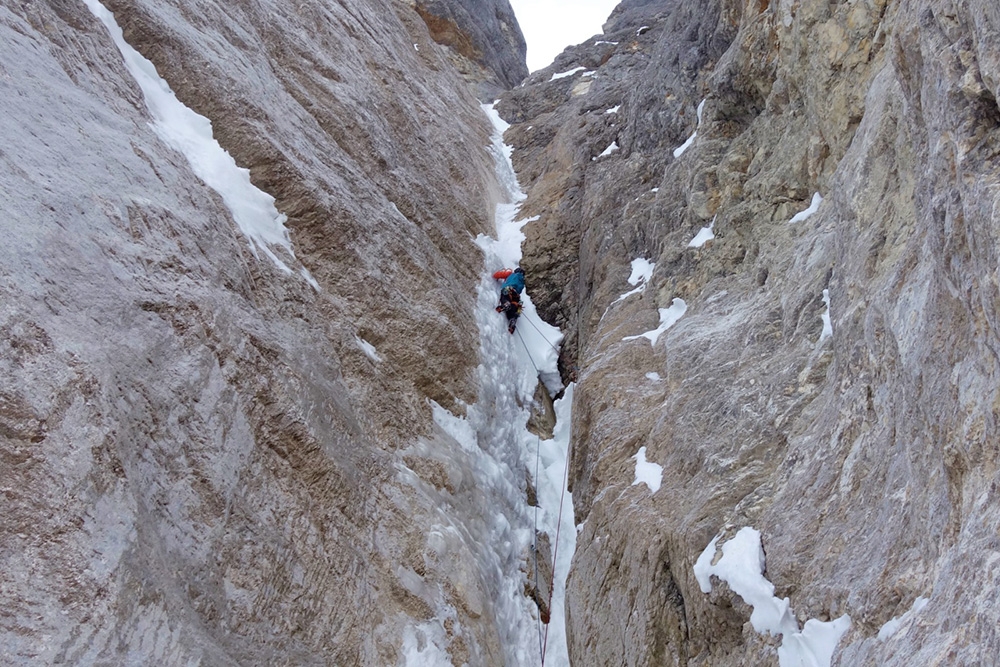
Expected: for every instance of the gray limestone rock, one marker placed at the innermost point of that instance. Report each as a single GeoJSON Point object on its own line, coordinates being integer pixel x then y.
{"type": "Point", "coordinates": [867, 459]}
{"type": "Point", "coordinates": [483, 38]}
{"type": "Point", "coordinates": [200, 459]}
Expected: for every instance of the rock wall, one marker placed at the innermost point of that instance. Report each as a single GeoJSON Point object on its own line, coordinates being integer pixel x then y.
{"type": "Point", "coordinates": [483, 38]}
{"type": "Point", "coordinates": [867, 459]}
{"type": "Point", "coordinates": [202, 455]}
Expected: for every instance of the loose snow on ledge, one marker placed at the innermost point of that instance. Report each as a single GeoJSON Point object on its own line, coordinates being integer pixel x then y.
{"type": "Point", "coordinates": [642, 271]}
{"type": "Point", "coordinates": [610, 149]}
{"type": "Point", "coordinates": [668, 318]}
{"type": "Point", "coordinates": [567, 73]}
{"type": "Point", "coordinates": [191, 135]}
{"type": "Point", "coordinates": [647, 472]}
{"type": "Point", "coordinates": [813, 207]}
{"type": "Point", "coordinates": [703, 236]}
{"type": "Point", "coordinates": [742, 567]}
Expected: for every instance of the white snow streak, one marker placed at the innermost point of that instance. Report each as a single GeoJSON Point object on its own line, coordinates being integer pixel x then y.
{"type": "Point", "coordinates": [642, 271]}
{"type": "Point", "coordinates": [679, 151]}
{"type": "Point", "coordinates": [613, 109]}
{"type": "Point", "coordinates": [813, 207]}
{"type": "Point", "coordinates": [827, 325]}
{"type": "Point", "coordinates": [891, 627]}
{"type": "Point", "coordinates": [191, 135]}
{"type": "Point", "coordinates": [742, 567]}
{"type": "Point", "coordinates": [694, 135]}
{"type": "Point", "coordinates": [703, 236]}
{"type": "Point", "coordinates": [607, 151]}
{"type": "Point", "coordinates": [567, 73]}
{"type": "Point", "coordinates": [368, 349]}
{"type": "Point", "coordinates": [668, 318]}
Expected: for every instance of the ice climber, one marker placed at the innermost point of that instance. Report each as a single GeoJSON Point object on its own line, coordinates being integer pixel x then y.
{"type": "Point", "coordinates": [510, 295]}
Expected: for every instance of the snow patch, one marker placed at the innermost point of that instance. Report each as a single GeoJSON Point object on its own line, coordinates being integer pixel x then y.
{"type": "Point", "coordinates": [642, 271]}
{"type": "Point", "coordinates": [655, 377]}
{"type": "Point", "coordinates": [191, 135]}
{"type": "Point", "coordinates": [703, 236]}
{"type": "Point", "coordinates": [604, 42]}
{"type": "Point", "coordinates": [641, 31]}
{"type": "Point", "coordinates": [891, 627]}
{"type": "Point", "coordinates": [742, 567]}
{"type": "Point", "coordinates": [668, 318]}
{"type": "Point", "coordinates": [813, 207]}
{"type": "Point", "coordinates": [607, 151]}
{"type": "Point", "coordinates": [646, 472]}
{"type": "Point", "coordinates": [827, 325]}
{"type": "Point", "coordinates": [567, 73]}
{"type": "Point", "coordinates": [613, 109]}
{"type": "Point", "coordinates": [368, 349]}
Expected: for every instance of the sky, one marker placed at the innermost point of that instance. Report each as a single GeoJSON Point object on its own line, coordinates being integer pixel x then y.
{"type": "Point", "coordinates": [549, 26]}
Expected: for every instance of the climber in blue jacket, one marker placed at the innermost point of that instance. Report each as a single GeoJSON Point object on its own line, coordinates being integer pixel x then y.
{"type": "Point", "coordinates": [510, 297]}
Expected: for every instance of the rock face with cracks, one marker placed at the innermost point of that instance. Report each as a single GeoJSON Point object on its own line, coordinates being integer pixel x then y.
{"type": "Point", "coordinates": [867, 459]}
{"type": "Point", "coordinates": [203, 461]}
{"type": "Point", "coordinates": [483, 38]}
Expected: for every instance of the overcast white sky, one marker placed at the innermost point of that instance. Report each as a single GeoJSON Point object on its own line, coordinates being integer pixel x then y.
{"type": "Point", "coordinates": [549, 26]}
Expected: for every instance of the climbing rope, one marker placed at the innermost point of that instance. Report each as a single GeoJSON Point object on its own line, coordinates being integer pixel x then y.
{"type": "Point", "coordinates": [540, 333]}
{"type": "Point", "coordinates": [544, 636]}
{"type": "Point", "coordinates": [534, 538]}
{"type": "Point", "coordinates": [528, 352]}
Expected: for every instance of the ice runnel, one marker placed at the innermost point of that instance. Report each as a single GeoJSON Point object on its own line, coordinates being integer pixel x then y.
{"type": "Point", "coordinates": [511, 368]}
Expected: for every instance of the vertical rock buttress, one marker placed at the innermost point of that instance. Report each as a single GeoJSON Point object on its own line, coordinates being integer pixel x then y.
{"type": "Point", "coordinates": [202, 454]}
{"type": "Point", "coordinates": [866, 458]}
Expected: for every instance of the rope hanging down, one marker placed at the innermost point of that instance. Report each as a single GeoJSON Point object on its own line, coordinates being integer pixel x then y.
{"type": "Point", "coordinates": [544, 637]}
{"type": "Point", "coordinates": [542, 335]}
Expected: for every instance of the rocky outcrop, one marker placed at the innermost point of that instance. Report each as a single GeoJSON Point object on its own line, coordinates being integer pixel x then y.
{"type": "Point", "coordinates": [484, 41]}
{"type": "Point", "coordinates": [866, 458]}
{"type": "Point", "coordinates": [202, 456]}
